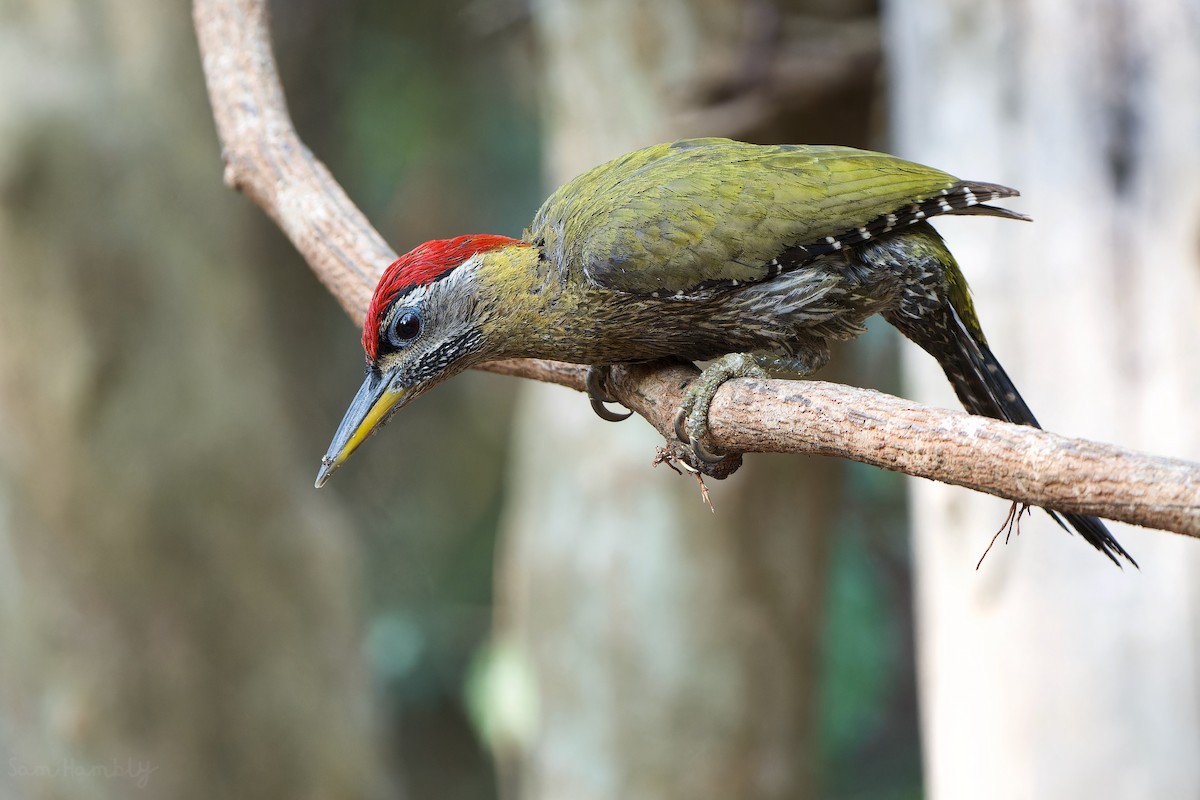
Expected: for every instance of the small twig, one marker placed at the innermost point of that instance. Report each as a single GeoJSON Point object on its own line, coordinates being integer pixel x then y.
{"type": "Point", "coordinates": [665, 456]}
{"type": "Point", "coordinates": [1014, 516]}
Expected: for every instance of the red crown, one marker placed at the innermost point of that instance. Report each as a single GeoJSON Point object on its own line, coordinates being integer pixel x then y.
{"type": "Point", "coordinates": [421, 266]}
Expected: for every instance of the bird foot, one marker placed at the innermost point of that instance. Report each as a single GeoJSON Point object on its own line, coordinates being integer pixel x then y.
{"type": "Point", "coordinates": [691, 421]}
{"type": "Point", "coordinates": [597, 391]}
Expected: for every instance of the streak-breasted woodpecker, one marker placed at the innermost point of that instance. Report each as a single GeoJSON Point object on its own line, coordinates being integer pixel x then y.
{"type": "Point", "coordinates": [707, 250]}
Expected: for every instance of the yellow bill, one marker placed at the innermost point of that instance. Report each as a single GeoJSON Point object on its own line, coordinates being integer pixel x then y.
{"type": "Point", "coordinates": [374, 404]}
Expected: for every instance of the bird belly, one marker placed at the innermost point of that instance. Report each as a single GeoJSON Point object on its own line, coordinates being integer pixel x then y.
{"type": "Point", "coordinates": [794, 313]}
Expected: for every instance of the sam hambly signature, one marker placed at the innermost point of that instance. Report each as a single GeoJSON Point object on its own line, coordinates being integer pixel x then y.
{"type": "Point", "coordinates": [135, 770]}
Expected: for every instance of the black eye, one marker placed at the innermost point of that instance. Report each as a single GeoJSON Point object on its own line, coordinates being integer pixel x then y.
{"type": "Point", "coordinates": [405, 327]}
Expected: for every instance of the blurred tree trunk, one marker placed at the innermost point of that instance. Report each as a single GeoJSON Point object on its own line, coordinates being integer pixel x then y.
{"type": "Point", "coordinates": [174, 601]}
{"type": "Point", "coordinates": [1049, 673]}
{"type": "Point", "coordinates": [673, 650]}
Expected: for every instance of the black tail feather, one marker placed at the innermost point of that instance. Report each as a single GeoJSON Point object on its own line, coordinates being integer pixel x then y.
{"type": "Point", "coordinates": [979, 380]}
{"type": "Point", "coordinates": [985, 389]}
{"type": "Point", "coordinates": [1095, 533]}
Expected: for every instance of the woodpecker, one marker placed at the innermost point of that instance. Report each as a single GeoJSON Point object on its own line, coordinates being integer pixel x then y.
{"type": "Point", "coordinates": [747, 256]}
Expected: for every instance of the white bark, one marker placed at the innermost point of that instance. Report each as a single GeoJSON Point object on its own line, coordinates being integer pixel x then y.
{"type": "Point", "coordinates": [1049, 673]}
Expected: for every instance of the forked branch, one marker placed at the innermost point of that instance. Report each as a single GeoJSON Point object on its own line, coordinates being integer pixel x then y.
{"type": "Point", "coordinates": [265, 159]}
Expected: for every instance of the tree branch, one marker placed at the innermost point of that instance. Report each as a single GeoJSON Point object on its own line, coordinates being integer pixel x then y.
{"type": "Point", "coordinates": [265, 159]}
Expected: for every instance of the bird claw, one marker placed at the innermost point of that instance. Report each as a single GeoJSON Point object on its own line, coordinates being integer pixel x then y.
{"type": "Point", "coordinates": [683, 421]}
{"type": "Point", "coordinates": [597, 396]}
{"type": "Point", "coordinates": [707, 456]}
{"type": "Point", "coordinates": [681, 418]}
{"type": "Point", "coordinates": [691, 420]}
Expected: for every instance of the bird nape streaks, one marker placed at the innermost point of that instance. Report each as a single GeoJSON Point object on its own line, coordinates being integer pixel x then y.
{"type": "Point", "coordinates": [706, 250]}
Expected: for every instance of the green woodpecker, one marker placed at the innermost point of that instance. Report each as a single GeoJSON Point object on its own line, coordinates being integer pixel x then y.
{"type": "Point", "coordinates": [755, 256]}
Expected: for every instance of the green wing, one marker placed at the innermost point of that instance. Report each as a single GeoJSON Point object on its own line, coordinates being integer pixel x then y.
{"type": "Point", "coordinates": [675, 218]}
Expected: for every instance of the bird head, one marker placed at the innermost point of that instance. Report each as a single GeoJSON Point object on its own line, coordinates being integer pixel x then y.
{"type": "Point", "coordinates": [424, 324]}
